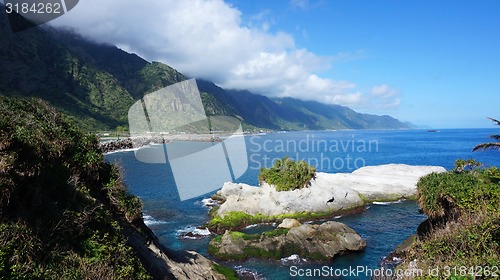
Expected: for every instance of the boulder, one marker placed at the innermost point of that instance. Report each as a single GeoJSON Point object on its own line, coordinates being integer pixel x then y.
{"type": "Point", "coordinates": [315, 242]}
{"type": "Point", "coordinates": [289, 223]}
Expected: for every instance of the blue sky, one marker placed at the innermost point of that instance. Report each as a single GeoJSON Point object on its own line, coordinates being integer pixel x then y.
{"type": "Point", "coordinates": [443, 56]}
{"type": "Point", "coordinates": [434, 63]}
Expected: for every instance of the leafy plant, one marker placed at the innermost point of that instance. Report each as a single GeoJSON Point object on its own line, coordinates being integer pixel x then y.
{"type": "Point", "coordinates": [491, 145]}
{"type": "Point", "coordinates": [59, 201]}
{"type": "Point", "coordinates": [288, 175]}
{"type": "Point", "coordinates": [440, 194]}
{"type": "Point", "coordinates": [462, 206]}
{"type": "Point", "coordinates": [466, 165]}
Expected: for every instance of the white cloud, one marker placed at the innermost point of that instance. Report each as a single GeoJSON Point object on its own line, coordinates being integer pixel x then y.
{"type": "Point", "coordinates": [384, 91]}
{"type": "Point", "coordinates": [299, 3]}
{"type": "Point", "coordinates": [208, 39]}
{"type": "Point", "coordinates": [305, 4]}
{"type": "Point", "coordinates": [385, 97]}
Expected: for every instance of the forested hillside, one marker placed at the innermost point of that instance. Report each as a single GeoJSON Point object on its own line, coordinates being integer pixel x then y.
{"type": "Point", "coordinates": [96, 84]}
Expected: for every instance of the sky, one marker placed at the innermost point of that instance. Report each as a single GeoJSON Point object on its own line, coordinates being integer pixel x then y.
{"type": "Point", "coordinates": [433, 63]}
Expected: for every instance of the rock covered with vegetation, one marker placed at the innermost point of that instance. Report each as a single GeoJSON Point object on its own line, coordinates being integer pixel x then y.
{"type": "Point", "coordinates": [65, 213]}
{"type": "Point", "coordinates": [316, 242]}
{"type": "Point", "coordinates": [463, 228]}
{"type": "Point", "coordinates": [327, 194]}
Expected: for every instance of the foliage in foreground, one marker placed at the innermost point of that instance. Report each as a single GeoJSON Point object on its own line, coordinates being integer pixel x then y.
{"type": "Point", "coordinates": [60, 204]}
{"type": "Point", "coordinates": [453, 192]}
{"type": "Point", "coordinates": [288, 175]}
{"type": "Point", "coordinates": [463, 207]}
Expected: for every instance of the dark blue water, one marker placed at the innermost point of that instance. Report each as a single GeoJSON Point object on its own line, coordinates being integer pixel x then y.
{"type": "Point", "coordinates": [382, 226]}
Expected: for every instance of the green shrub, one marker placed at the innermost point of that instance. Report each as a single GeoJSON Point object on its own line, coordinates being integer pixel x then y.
{"type": "Point", "coordinates": [59, 200]}
{"type": "Point", "coordinates": [288, 175]}
{"type": "Point", "coordinates": [472, 240]}
{"type": "Point", "coordinates": [229, 273]}
{"type": "Point", "coordinates": [462, 206]}
{"type": "Point", "coordinates": [462, 165]}
{"type": "Point", "coordinates": [440, 194]}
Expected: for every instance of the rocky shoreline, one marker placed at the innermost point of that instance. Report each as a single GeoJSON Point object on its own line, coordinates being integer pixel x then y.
{"type": "Point", "coordinates": [328, 195]}
{"type": "Point", "coordinates": [113, 145]}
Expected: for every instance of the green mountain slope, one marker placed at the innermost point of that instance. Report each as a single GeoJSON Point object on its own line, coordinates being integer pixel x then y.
{"type": "Point", "coordinates": [336, 116]}
{"type": "Point", "coordinates": [96, 84]}
{"type": "Point", "coordinates": [294, 114]}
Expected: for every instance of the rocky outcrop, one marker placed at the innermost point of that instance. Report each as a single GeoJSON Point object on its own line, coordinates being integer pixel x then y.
{"type": "Point", "coordinates": [317, 242]}
{"type": "Point", "coordinates": [328, 193]}
{"type": "Point", "coordinates": [137, 142]}
{"type": "Point", "coordinates": [163, 263]}
{"type": "Point", "coordinates": [115, 145]}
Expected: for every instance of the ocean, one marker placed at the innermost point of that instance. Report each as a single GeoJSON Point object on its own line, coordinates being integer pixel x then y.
{"type": "Point", "coordinates": [383, 226]}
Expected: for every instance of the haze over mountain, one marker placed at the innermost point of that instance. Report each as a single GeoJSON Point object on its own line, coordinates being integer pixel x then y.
{"type": "Point", "coordinates": [96, 84]}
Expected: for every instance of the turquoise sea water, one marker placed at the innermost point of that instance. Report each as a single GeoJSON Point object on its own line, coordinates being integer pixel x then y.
{"type": "Point", "coordinates": [382, 226]}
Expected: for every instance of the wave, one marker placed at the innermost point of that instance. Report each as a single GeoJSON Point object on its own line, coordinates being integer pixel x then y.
{"type": "Point", "coordinates": [122, 150]}
{"type": "Point", "coordinates": [208, 202]}
{"type": "Point", "coordinates": [251, 226]}
{"type": "Point", "coordinates": [293, 259]}
{"type": "Point", "coordinates": [149, 220]}
{"type": "Point", "coordinates": [388, 202]}
{"type": "Point", "coordinates": [192, 232]}
{"type": "Point", "coordinates": [246, 273]}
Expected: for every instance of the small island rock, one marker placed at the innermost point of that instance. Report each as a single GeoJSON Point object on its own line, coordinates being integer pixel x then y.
{"type": "Point", "coordinates": [315, 242]}
{"type": "Point", "coordinates": [328, 193]}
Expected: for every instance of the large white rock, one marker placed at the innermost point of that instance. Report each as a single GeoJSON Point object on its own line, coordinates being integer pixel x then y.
{"type": "Point", "coordinates": [328, 192]}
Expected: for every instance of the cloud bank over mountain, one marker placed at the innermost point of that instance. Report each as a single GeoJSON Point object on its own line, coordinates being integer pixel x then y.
{"type": "Point", "coordinates": [209, 39]}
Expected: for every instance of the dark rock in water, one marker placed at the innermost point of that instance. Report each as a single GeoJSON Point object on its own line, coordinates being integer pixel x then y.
{"type": "Point", "coordinates": [116, 145]}
{"type": "Point", "coordinates": [192, 235]}
{"type": "Point", "coordinates": [137, 142]}
{"type": "Point", "coordinates": [129, 143]}
{"type": "Point", "coordinates": [316, 242]}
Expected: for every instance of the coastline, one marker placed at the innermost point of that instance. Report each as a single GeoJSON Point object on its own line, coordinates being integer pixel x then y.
{"type": "Point", "coordinates": [328, 195]}
{"type": "Point", "coordinates": [132, 143]}
{"type": "Point", "coordinates": [385, 203]}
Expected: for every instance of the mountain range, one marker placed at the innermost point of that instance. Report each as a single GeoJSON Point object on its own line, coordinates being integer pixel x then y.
{"type": "Point", "coordinates": [96, 84]}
